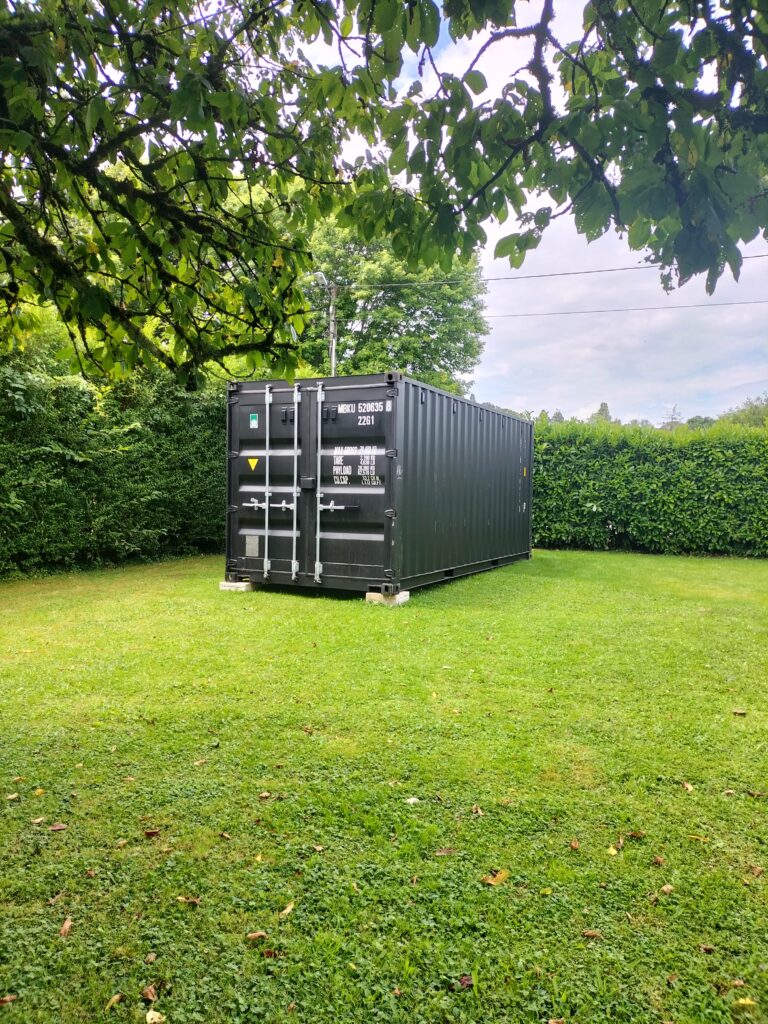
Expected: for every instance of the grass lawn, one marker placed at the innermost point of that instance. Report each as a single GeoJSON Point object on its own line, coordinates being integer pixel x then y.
{"type": "Point", "coordinates": [341, 777]}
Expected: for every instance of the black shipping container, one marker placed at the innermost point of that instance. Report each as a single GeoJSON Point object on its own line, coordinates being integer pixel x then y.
{"type": "Point", "coordinates": [372, 483]}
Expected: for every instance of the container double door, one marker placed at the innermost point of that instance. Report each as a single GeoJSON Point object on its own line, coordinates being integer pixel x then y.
{"type": "Point", "coordinates": [310, 488]}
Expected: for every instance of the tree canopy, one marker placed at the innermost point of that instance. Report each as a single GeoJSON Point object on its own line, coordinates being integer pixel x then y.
{"type": "Point", "coordinates": [163, 164]}
{"type": "Point", "coordinates": [427, 323]}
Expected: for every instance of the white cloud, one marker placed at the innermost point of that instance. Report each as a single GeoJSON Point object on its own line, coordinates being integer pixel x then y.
{"type": "Point", "coordinates": [641, 363]}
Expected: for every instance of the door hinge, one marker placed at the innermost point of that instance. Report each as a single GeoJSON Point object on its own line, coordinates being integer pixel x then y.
{"type": "Point", "coordinates": [391, 453]}
{"type": "Point", "coordinates": [390, 513]}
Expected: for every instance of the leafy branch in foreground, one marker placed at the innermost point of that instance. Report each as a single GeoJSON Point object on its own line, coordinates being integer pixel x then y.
{"type": "Point", "coordinates": [163, 166]}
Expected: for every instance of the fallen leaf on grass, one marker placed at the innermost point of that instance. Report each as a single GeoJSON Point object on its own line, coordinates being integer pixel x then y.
{"type": "Point", "coordinates": [150, 833]}
{"type": "Point", "coordinates": [12, 796]}
{"type": "Point", "coordinates": [496, 877]}
{"type": "Point", "coordinates": [265, 795]}
{"type": "Point", "coordinates": [706, 948]}
{"type": "Point", "coordinates": [612, 851]}
{"type": "Point", "coordinates": [18, 778]}
{"type": "Point", "coordinates": [687, 787]}
{"type": "Point", "coordinates": [556, 1020]}
{"type": "Point", "coordinates": [36, 821]}
{"type": "Point", "coordinates": [699, 839]}
{"type": "Point", "coordinates": [90, 873]}
{"type": "Point", "coordinates": [270, 954]}
{"type": "Point", "coordinates": [318, 847]}
{"type": "Point", "coordinates": [574, 844]}
{"type": "Point", "coordinates": [287, 909]}
{"type": "Point", "coordinates": [225, 835]}
{"type": "Point", "coordinates": [592, 933]}
{"type": "Point", "coordinates": [729, 792]}
{"type": "Point", "coordinates": [150, 958]}
{"type": "Point", "coordinates": [619, 844]}
{"type": "Point", "coordinates": [671, 979]}
{"type": "Point", "coordinates": [59, 826]}
{"type": "Point", "coordinates": [6, 1000]}
{"type": "Point", "coordinates": [200, 762]}
{"type": "Point", "coordinates": [476, 809]}
{"type": "Point", "coordinates": [667, 889]}
{"type": "Point", "coordinates": [255, 936]}
{"type": "Point", "coordinates": [637, 834]}
{"type": "Point", "coordinates": [444, 851]}
{"type": "Point", "coordinates": [56, 898]}
{"type": "Point", "coordinates": [466, 981]}
{"type": "Point", "coordinates": [740, 712]}
{"type": "Point", "coordinates": [39, 791]}
{"type": "Point", "coordinates": [290, 1007]}
{"type": "Point", "coordinates": [193, 900]}
{"type": "Point", "coordinates": [149, 994]}
{"type": "Point", "coordinates": [116, 998]}
{"type": "Point", "coordinates": [66, 928]}
{"type": "Point", "coordinates": [153, 1017]}
{"type": "Point", "coordinates": [755, 870]}
{"type": "Point", "coordinates": [121, 843]}
{"type": "Point", "coordinates": [744, 1002]}
{"type": "Point", "coordinates": [658, 861]}
{"type": "Point", "coordinates": [411, 799]}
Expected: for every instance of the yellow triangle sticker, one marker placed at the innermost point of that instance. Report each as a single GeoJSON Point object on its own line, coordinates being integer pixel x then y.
{"type": "Point", "coordinates": [253, 463]}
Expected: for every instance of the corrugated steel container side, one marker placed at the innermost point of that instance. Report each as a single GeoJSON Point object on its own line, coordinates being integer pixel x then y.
{"type": "Point", "coordinates": [463, 488]}
{"type": "Point", "coordinates": [373, 482]}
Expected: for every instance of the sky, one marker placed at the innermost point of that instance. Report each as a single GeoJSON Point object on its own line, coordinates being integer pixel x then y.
{"type": "Point", "coordinates": [642, 364]}
{"type": "Point", "coordinates": [701, 361]}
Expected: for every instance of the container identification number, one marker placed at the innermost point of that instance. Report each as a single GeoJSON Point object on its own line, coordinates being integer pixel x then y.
{"type": "Point", "coordinates": [362, 408]}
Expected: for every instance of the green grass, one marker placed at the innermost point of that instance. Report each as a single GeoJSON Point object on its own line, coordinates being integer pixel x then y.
{"type": "Point", "coordinates": [568, 698]}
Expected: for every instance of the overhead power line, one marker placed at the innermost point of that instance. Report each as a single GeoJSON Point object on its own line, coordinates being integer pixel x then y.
{"type": "Point", "coordinates": [416, 283]}
{"type": "Point", "coordinates": [627, 309]}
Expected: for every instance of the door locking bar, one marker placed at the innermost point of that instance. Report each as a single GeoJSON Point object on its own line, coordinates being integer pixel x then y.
{"type": "Point", "coordinates": [319, 493]}
{"type": "Point", "coordinates": [296, 491]}
{"type": "Point", "coordinates": [267, 495]}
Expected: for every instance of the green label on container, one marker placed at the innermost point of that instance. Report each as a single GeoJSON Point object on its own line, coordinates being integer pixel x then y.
{"type": "Point", "coordinates": [254, 420]}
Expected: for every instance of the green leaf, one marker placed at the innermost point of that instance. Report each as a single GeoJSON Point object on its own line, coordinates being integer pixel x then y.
{"type": "Point", "coordinates": [476, 82]}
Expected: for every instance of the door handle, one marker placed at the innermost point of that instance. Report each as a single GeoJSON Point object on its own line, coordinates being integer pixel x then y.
{"type": "Point", "coordinates": [333, 507]}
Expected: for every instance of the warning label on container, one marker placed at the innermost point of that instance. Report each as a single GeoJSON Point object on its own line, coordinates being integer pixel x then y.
{"type": "Point", "coordinates": [253, 420]}
{"type": "Point", "coordinates": [253, 463]}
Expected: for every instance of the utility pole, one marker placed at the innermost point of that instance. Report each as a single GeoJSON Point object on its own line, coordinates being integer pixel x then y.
{"type": "Point", "coordinates": [332, 326]}
{"type": "Point", "coordinates": [332, 289]}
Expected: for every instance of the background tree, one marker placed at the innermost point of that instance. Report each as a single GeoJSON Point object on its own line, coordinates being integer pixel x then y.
{"type": "Point", "coordinates": [428, 324]}
{"type": "Point", "coordinates": [603, 415]}
{"type": "Point", "coordinates": [700, 422]}
{"type": "Point", "coordinates": [751, 413]}
{"type": "Point", "coordinates": [161, 164]}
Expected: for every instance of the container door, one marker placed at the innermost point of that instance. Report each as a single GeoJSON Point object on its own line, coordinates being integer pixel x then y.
{"type": "Point", "coordinates": [310, 487]}
{"type": "Point", "coordinates": [265, 479]}
{"type": "Point", "coordinates": [352, 518]}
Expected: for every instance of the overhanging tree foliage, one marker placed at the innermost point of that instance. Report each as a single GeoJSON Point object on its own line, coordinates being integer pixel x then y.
{"type": "Point", "coordinates": [163, 163]}
{"type": "Point", "coordinates": [428, 323]}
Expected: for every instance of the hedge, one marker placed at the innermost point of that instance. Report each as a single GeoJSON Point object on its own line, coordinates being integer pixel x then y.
{"type": "Point", "coordinates": [97, 475]}
{"type": "Point", "coordinates": [680, 492]}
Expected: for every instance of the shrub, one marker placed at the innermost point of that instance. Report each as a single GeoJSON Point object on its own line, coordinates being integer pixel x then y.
{"type": "Point", "coordinates": [94, 475]}
{"type": "Point", "coordinates": [679, 492]}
